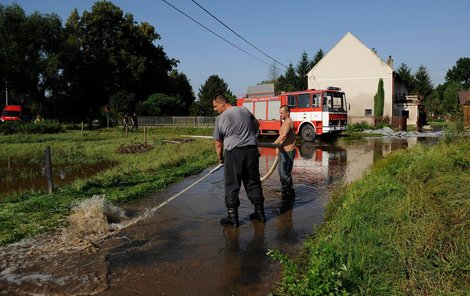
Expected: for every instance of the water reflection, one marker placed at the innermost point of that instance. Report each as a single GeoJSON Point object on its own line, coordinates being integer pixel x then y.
{"type": "Point", "coordinates": [17, 175]}
{"type": "Point", "coordinates": [328, 162]}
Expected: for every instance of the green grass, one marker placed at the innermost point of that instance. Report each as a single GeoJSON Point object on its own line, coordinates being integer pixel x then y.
{"type": "Point", "coordinates": [404, 229]}
{"type": "Point", "coordinates": [134, 175]}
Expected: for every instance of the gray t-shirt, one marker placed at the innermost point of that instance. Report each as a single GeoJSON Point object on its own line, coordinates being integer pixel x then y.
{"type": "Point", "coordinates": [235, 128]}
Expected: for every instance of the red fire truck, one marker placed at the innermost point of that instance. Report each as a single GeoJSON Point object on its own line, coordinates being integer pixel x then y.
{"type": "Point", "coordinates": [314, 112]}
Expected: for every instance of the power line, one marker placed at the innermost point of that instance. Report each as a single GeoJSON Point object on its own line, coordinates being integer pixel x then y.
{"type": "Point", "coordinates": [171, 5]}
{"type": "Point", "coordinates": [240, 36]}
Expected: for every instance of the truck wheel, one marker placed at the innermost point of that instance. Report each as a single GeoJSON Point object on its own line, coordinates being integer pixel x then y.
{"type": "Point", "coordinates": [308, 133]}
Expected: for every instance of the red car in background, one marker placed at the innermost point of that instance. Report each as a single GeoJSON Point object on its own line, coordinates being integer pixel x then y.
{"type": "Point", "coordinates": [15, 113]}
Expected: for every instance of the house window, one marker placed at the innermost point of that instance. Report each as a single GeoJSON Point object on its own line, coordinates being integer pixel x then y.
{"type": "Point", "coordinates": [368, 112]}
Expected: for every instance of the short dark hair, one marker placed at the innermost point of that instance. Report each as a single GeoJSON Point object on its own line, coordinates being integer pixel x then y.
{"type": "Point", "coordinates": [286, 108]}
{"type": "Point", "coordinates": [221, 98]}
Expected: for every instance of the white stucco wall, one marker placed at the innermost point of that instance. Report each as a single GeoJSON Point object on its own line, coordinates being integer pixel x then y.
{"type": "Point", "coordinates": [356, 69]}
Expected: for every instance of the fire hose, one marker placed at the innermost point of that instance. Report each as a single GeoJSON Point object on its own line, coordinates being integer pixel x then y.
{"type": "Point", "coordinates": [276, 161]}
{"type": "Point", "coordinates": [260, 144]}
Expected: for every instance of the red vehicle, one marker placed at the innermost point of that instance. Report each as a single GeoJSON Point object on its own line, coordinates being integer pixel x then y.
{"type": "Point", "coordinates": [314, 112]}
{"type": "Point", "coordinates": [14, 113]}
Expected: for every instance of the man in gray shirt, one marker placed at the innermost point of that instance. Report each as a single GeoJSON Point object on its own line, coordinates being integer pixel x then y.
{"type": "Point", "coordinates": [235, 133]}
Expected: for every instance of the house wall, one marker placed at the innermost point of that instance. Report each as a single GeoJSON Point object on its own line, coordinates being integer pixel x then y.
{"type": "Point", "coordinates": [356, 69]}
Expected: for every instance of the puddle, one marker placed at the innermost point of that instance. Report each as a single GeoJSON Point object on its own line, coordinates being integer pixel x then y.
{"type": "Point", "coordinates": [20, 176]}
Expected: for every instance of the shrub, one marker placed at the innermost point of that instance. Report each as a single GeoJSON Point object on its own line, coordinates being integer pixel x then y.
{"type": "Point", "coordinates": [43, 127]}
{"type": "Point", "coordinates": [359, 127]}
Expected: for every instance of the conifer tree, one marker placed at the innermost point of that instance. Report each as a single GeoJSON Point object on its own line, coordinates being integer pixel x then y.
{"type": "Point", "coordinates": [379, 99]}
{"type": "Point", "coordinates": [213, 86]}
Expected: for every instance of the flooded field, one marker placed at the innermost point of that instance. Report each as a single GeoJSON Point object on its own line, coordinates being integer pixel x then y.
{"type": "Point", "coordinates": [171, 242]}
{"type": "Point", "coordinates": [17, 175]}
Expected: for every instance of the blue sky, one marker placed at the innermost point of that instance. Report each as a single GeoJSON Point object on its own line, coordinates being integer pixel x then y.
{"type": "Point", "coordinates": [430, 33]}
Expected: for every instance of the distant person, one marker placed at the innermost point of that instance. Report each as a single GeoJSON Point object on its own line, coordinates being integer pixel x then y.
{"type": "Point", "coordinates": [135, 123]}
{"type": "Point", "coordinates": [126, 122]}
{"type": "Point", "coordinates": [286, 153]}
{"type": "Point", "coordinates": [235, 133]}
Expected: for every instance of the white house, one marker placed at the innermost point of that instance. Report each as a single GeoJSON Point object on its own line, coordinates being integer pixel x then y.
{"type": "Point", "coordinates": [357, 69]}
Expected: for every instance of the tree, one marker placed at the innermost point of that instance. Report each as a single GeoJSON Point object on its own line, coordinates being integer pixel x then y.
{"type": "Point", "coordinates": [450, 98]}
{"type": "Point", "coordinates": [303, 66]}
{"type": "Point", "coordinates": [160, 104]}
{"type": "Point", "coordinates": [29, 54]}
{"type": "Point", "coordinates": [379, 99]}
{"type": "Point", "coordinates": [318, 56]}
{"type": "Point", "coordinates": [287, 82]}
{"type": "Point", "coordinates": [405, 73]}
{"type": "Point", "coordinates": [273, 72]}
{"type": "Point", "coordinates": [179, 86]}
{"type": "Point", "coordinates": [423, 84]}
{"type": "Point", "coordinates": [122, 102]}
{"type": "Point", "coordinates": [114, 54]}
{"type": "Point", "coordinates": [460, 73]}
{"type": "Point", "coordinates": [213, 86]}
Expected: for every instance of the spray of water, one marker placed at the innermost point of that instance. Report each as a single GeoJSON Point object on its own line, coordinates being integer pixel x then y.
{"type": "Point", "coordinates": [92, 220]}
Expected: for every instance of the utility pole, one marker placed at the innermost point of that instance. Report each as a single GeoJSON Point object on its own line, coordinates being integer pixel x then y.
{"type": "Point", "coordinates": [6, 92]}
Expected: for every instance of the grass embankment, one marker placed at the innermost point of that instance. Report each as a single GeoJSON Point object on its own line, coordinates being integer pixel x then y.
{"type": "Point", "coordinates": [403, 229]}
{"type": "Point", "coordinates": [134, 175]}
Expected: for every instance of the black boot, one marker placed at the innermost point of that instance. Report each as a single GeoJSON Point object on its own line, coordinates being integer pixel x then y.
{"type": "Point", "coordinates": [288, 192]}
{"type": "Point", "coordinates": [231, 219]}
{"type": "Point", "coordinates": [258, 214]}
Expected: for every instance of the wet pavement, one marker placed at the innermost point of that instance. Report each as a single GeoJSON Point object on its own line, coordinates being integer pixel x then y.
{"type": "Point", "coordinates": [179, 248]}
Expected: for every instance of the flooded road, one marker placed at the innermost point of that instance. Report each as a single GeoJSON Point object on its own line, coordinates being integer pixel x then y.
{"type": "Point", "coordinates": [179, 248]}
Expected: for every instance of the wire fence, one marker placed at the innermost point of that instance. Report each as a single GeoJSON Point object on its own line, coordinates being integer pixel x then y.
{"type": "Point", "coordinates": [173, 121]}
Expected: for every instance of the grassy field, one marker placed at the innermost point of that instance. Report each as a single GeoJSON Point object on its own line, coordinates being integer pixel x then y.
{"type": "Point", "coordinates": [134, 175]}
{"type": "Point", "coordinates": [404, 229]}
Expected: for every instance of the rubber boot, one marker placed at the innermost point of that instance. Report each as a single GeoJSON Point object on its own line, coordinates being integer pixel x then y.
{"type": "Point", "coordinates": [288, 192]}
{"type": "Point", "coordinates": [258, 214]}
{"type": "Point", "coordinates": [231, 219]}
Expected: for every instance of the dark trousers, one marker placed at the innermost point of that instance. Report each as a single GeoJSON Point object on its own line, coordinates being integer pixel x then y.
{"type": "Point", "coordinates": [242, 164]}
{"type": "Point", "coordinates": [286, 162]}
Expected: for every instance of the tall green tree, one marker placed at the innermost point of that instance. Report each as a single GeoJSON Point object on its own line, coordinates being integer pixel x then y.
{"type": "Point", "coordinates": [379, 99]}
{"type": "Point", "coordinates": [318, 56]}
{"type": "Point", "coordinates": [460, 73]}
{"type": "Point", "coordinates": [303, 66]}
{"type": "Point", "coordinates": [116, 54]}
{"type": "Point", "coordinates": [423, 84]}
{"type": "Point", "coordinates": [405, 73]}
{"type": "Point", "coordinates": [29, 50]}
{"type": "Point", "coordinates": [287, 81]}
{"type": "Point", "coordinates": [213, 86]}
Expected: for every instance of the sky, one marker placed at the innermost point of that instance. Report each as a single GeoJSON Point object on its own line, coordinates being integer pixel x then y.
{"type": "Point", "coordinates": [431, 33]}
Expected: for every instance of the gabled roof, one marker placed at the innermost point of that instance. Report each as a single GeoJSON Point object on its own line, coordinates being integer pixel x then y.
{"type": "Point", "coordinates": [350, 37]}
{"type": "Point", "coordinates": [464, 97]}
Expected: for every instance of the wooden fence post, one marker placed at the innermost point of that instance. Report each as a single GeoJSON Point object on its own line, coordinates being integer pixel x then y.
{"type": "Point", "coordinates": [145, 135]}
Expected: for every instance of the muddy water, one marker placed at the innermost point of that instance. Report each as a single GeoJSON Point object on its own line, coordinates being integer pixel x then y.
{"type": "Point", "coordinates": [20, 176]}
{"type": "Point", "coordinates": [179, 248]}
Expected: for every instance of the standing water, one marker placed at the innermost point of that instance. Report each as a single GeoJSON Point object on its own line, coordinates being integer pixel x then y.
{"type": "Point", "coordinates": [180, 248]}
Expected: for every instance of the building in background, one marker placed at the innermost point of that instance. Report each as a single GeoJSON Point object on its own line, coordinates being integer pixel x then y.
{"type": "Point", "coordinates": [357, 69]}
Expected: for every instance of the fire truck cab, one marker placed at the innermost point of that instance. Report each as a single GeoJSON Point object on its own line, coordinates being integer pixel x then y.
{"type": "Point", "coordinates": [314, 112]}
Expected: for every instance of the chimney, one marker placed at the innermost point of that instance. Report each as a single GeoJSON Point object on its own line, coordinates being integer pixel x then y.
{"type": "Point", "coordinates": [390, 61]}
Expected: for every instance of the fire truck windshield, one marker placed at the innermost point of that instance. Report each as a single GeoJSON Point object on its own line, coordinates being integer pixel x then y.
{"type": "Point", "coordinates": [335, 101]}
